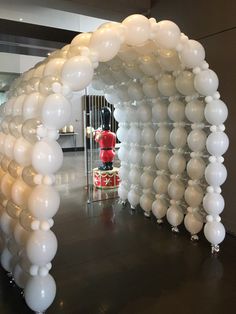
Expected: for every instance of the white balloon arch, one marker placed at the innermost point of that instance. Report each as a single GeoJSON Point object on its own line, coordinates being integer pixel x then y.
{"type": "Point", "coordinates": [170, 124]}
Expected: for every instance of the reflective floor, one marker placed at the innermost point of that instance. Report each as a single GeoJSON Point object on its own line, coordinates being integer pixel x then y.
{"type": "Point", "coordinates": [112, 261]}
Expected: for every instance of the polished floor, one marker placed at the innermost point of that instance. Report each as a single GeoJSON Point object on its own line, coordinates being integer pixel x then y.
{"type": "Point", "coordinates": [113, 261]}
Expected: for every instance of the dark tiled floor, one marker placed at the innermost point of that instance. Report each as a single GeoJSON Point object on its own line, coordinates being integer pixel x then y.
{"type": "Point", "coordinates": [110, 261]}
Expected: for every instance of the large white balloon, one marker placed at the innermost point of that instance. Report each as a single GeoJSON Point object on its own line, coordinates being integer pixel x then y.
{"type": "Point", "coordinates": [41, 247]}
{"type": "Point", "coordinates": [184, 83]}
{"type": "Point", "coordinates": [193, 196]}
{"type": "Point", "coordinates": [32, 106]}
{"type": "Point", "coordinates": [214, 232]}
{"type": "Point", "coordinates": [162, 159]}
{"type": "Point", "coordinates": [146, 201]}
{"type": "Point", "coordinates": [77, 72]}
{"type": "Point", "coordinates": [176, 189]}
{"type": "Point", "coordinates": [47, 157]}
{"type": "Point", "coordinates": [135, 155]}
{"type": "Point", "coordinates": [144, 113]}
{"type": "Point", "coordinates": [197, 140]}
{"type": "Point", "coordinates": [194, 111]}
{"type": "Point", "coordinates": [216, 112]}
{"type": "Point", "coordinates": [215, 174]}
{"type": "Point", "coordinates": [40, 292]}
{"type": "Point", "coordinates": [196, 168]}
{"type": "Point", "coordinates": [166, 85]}
{"type": "Point", "coordinates": [217, 143]}
{"type": "Point", "coordinates": [134, 134]}
{"type": "Point", "coordinates": [193, 223]}
{"type": "Point", "coordinates": [159, 208]}
{"type": "Point", "coordinates": [178, 137]}
{"type": "Point", "coordinates": [106, 43]}
{"type": "Point", "coordinates": [133, 198]}
{"type": "Point", "coordinates": [148, 135]}
{"type": "Point", "coordinates": [162, 136]}
{"type": "Point", "coordinates": [137, 29]}
{"type": "Point", "coordinates": [177, 164]}
{"type": "Point", "coordinates": [146, 180]}
{"type": "Point", "coordinates": [159, 111]}
{"type": "Point", "coordinates": [134, 176]}
{"type": "Point", "coordinates": [167, 34]}
{"type": "Point", "coordinates": [53, 67]}
{"type": "Point", "coordinates": [43, 202]}
{"type": "Point", "coordinates": [20, 193]}
{"type": "Point", "coordinates": [160, 184]}
{"type": "Point", "coordinates": [176, 111]}
{"type": "Point", "coordinates": [213, 203]}
{"type": "Point", "coordinates": [148, 158]}
{"type": "Point", "coordinates": [56, 112]}
{"type": "Point", "coordinates": [206, 82]}
{"type": "Point", "coordinates": [192, 54]}
{"type": "Point", "coordinates": [175, 215]}
{"type": "Point", "coordinates": [23, 152]}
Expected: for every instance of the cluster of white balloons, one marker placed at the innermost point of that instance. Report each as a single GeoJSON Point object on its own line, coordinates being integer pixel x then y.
{"type": "Point", "coordinates": [166, 102]}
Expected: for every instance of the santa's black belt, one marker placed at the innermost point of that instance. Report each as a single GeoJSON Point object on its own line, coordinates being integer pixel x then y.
{"type": "Point", "coordinates": [106, 148]}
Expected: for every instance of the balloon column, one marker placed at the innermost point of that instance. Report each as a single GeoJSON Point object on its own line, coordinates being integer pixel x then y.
{"type": "Point", "coordinates": [171, 126]}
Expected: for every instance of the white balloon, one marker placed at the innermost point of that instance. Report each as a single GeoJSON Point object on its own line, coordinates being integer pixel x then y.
{"type": "Point", "coordinates": [53, 67]}
{"type": "Point", "coordinates": [192, 54]}
{"type": "Point", "coordinates": [184, 83]}
{"type": "Point", "coordinates": [214, 232]}
{"type": "Point", "coordinates": [174, 215]}
{"type": "Point", "coordinates": [148, 158]}
{"type": "Point", "coordinates": [123, 172]}
{"type": "Point", "coordinates": [193, 196]}
{"type": "Point", "coordinates": [177, 164]}
{"type": "Point", "coordinates": [178, 137]}
{"type": "Point", "coordinates": [122, 134]}
{"type": "Point", "coordinates": [162, 136]}
{"type": "Point", "coordinates": [20, 276]}
{"type": "Point", "coordinates": [146, 201]}
{"type": "Point", "coordinates": [40, 292]}
{"type": "Point", "coordinates": [131, 114]}
{"type": "Point", "coordinates": [159, 111]}
{"type": "Point", "coordinates": [135, 155]}
{"type": "Point", "coordinates": [166, 85]}
{"type": "Point", "coordinates": [146, 180]}
{"type": "Point", "coordinates": [176, 111]}
{"type": "Point", "coordinates": [162, 159]}
{"type": "Point", "coordinates": [6, 185]}
{"type": "Point", "coordinates": [122, 92]}
{"type": "Point", "coordinates": [56, 112]}
{"type": "Point", "coordinates": [32, 105]}
{"type": "Point", "coordinates": [215, 174]}
{"type": "Point", "coordinates": [134, 134]}
{"type": "Point", "coordinates": [137, 29]}
{"type": "Point", "coordinates": [7, 260]}
{"type": "Point", "coordinates": [167, 34]}
{"type": "Point", "coordinates": [148, 135]}
{"type": "Point", "coordinates": [206, 82]}
{"type": "Point", "coordinates": [150, 67]}
{"type": "Point", "coordinates": [81, 39]}
{"type": "Point", "coordinates": [43, 202]}
{"type": "Point", "coordinates": [7, 224]}
{"type": "Point", "coordinates": [196, 168]}
{"type": "Point", "coordinates": [106, 43]}
{"type": "Point", "coordinates": [194, 111]}
{"type": "Point", "coordinates": [47, 157]}
{"type": "Point", "coordinates": [122, 192]}
{"type": "Point", "coordinates": [213, 203]}
{"type": "Point", "coordinates": [197, 140]}
{"type": "Point", "coordinates": [77, 72]}
{"type": "Point", "coordinates": [135, 91]}
{"type": "Point", "coordinates": [133, 198]}
{"type": "Point", "coordinates": [216, 112]}
{"type": "Point", "coordinates": [144, 113]}
{"type": "Point", "coordinates": [20, 192]}
{"type": "Point", "coordinates": [150, 88]}
{"type": "Point", "coordinates": [176, 189]}
{"type": "Point", "coordinates": [217, 143]}
{"type": "Point", "coordinates": [9, 146]}
{"type": "Point", "coordinates": [123, 153]}
{"type": "Point", "coordinates": [119, 115]}
{"type": "Point", "coordinates": [159, 208]}
{"type": "Point", "coordinates": [134, 176]}
{"type": "Point", "coordinates": [20, 235]}
{"type": "Point", "coordinates": [193, 223]}
{"type": "Point", "coordinates": [41, 247]}
{"type": "Point", "coordinates": [169, 60]}
{"type": "Point", "coordinates": [23, 152]}
{"type": "Point", "coordinates": [133, 71]}
{"type": "Point", "coordinates": [18, 105]}
{"type": "Point", "coordinates": [160, 184]}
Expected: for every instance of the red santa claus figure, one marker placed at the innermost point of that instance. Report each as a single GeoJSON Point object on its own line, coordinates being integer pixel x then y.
{"type": "Point", "coordinates": [106, 140]}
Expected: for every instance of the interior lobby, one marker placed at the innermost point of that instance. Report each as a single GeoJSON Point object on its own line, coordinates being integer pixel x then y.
{"type": "Point", "coordinates": [113, 256]}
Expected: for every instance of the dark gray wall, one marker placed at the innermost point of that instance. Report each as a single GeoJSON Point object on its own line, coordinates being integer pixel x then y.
{"type": "Point", "coordinates": [213, 23]}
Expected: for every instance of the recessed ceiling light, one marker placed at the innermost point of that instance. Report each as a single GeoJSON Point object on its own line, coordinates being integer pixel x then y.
{"type": "Point", "coordinates": [48, 53]}
{"type": "Point", "coordinates": [20, 19]}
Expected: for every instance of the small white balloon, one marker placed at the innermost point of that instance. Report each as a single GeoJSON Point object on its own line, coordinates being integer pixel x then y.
{"type": "Point", "coordinates": [162, 136]}
{"type": "Point", "coordinates": [193, 196]}
{"type": "Point", "coordinates": [144, 113]}
{"type": "Point", "coordinates": [123, 172]}
{"type": "Point", "coordinates": [122, 134]}
{"type": "Point", "coordinates": [135, 91]}
{"type": "Point", "coordinates": [146, 180]}
{"type": "Point", "coordinates": [123, 153]}
{"type": "Point", "coordinates": [196, 168]}
{"type": "Point", "coordinates": [215, 174]}
{"type": "Point", "coordinates": [146, 201]}
{"type": "Point", "coordinates": [148, 135]}
{"type": "Point", "coordinates": [176, 111]}
{"type": "Point", "coordinates": [148, 158]}
{"type": "Point", "coordinates": [216, 112]}
{"type": "Point", "coordinates": [214, 232]}
{"type": "Point", "coordinates": [134, 176]}
{"type": "Point", "coordinates": [135, 156]}
{"type": "Point", "coordinates": [217, 143]}
{"type": "Point", "coordinates": [206, 82]}
{"type": "Point", "coordinates": [53, 67]}
{"type": "Point", "coordinates": [193, 223]}
{"type": "Point", "coordinates": [150, 88]}
{"type": "Point", "coordinates": [177, 164]}
{"type": "Point", "coordinates": [184, 83]}
{"type": "Point", "coordinates": [174, 216]}
{"type": "Point", "coordinates": [159, 208]}
{"type": "Point", "coordinates": [160, 184]}
{"type": "Point", "coordinates": [194, 111]}
{"type": "Point", "coordinates": [178, 137]}
{"type": "Point", "coordinates": [176, 189]}
{"type": "Point", "coordinates": [197, 140]}
{"type": "Point", "coordinates": [122, 192]}
{"type": "Point", "coordinates": [133, 198]}
{"type": "Point", "coordinates": [166, 85]}
{"type": "Point", "coordinates": [162, 160]}
{"type": "Point", "coordinates": [134, 134]}
{"type": "Point", "coordinates": [32, 106]}
{"type": "Point", "coordinates": [159, 111]}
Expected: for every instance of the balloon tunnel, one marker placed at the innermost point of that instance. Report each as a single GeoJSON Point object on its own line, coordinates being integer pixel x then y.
{"type": "Point", "coordinates": [171, 129]}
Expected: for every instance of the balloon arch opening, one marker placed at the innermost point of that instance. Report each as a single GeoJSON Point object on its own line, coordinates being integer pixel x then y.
{"type": "Point", "coordinates": [170, 125]}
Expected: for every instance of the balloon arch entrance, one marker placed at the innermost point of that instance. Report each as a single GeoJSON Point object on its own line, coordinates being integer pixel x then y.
{"type": "Point", "coordinates": [170, 125]}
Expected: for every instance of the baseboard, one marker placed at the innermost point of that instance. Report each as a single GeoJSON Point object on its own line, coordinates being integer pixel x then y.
{"type": "Point", "coordinates": [73, 149]}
